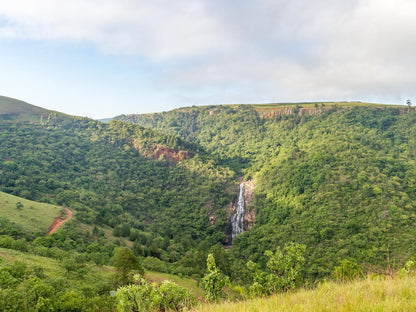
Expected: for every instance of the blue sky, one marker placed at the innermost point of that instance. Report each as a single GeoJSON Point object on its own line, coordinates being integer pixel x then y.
{"type": "Point", "coordinates": [101, 58]}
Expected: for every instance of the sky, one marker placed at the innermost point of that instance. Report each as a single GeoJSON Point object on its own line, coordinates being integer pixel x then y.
{"type": "Point", "coordinates": [102, 58]}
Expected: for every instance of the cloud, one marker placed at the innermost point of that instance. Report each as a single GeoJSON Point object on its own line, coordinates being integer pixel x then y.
{"type": "Point", "coordinates": [274, 49]}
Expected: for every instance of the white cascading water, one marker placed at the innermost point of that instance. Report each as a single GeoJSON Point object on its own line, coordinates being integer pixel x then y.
{"type": "Point", "coordinates": [237, 219]}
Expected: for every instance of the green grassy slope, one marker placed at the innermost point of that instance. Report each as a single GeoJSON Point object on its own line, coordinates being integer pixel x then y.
{"type": "Point", "coordinates": [92, 278]}
{"type": "Point", "coordinates": [12, 110]}
{"type": "Point", "coordinates": [380, 294]}
{"type": "Point", "coordinates": [32, 216]}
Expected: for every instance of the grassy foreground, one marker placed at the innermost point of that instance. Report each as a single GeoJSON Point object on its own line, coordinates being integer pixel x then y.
{"type": "Point", "coordinates": [371, 294]}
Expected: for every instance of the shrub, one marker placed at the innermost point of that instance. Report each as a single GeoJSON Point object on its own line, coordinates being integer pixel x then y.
{"type": "Point", "coordinates": [155, 264]}
{"type": "Point", "coordinates": [143, 296]}
{"type": "Point", "coordinates": [409, 268]}
{"type": "Point", "coordinates": [214, 281]}
{"type": "Point", "coordinates": [347, 271]}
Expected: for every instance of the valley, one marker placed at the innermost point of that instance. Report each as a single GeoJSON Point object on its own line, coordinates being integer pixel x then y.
{"type": "Point", "coordinates": [330, 182]}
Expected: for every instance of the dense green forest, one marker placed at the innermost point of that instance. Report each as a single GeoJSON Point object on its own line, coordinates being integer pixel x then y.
{"type": "Point", "coordinates": [333, 182]}
{"type": "Point", "coordinates": [339, 178]}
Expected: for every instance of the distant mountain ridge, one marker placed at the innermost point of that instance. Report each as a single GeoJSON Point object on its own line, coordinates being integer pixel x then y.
{"type": "Point", "coordinates": [13, 110]}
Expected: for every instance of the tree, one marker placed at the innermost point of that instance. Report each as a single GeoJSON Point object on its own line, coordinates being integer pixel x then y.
{"type": "Point", "coordinates": [142, 296]}
{"type": "Point", "coordinates": [124, 261]}
{"type": "Point", "coordinates": [214, 281]}
{"type": "Point", "coordinates": [284, 270]}
{"type": "Point", "coordinates": [19, 205]}
{"type": "Point", "coordinates": [347, 271]}
{"type": "Point", "coordinates": [222, 259]}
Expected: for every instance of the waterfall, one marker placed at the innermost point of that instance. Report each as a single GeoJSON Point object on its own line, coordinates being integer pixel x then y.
{"type": "Point", "coordinates": [237, 219]}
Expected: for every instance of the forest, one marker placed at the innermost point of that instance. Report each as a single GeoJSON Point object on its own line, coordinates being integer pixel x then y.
{"type": "Point", "coordinates": [334, 191]}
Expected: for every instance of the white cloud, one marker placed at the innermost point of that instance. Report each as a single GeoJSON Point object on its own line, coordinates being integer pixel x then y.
{"type": "Point", "coordinates": [273, 48]}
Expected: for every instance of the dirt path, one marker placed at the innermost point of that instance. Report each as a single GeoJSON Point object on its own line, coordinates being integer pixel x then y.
{"type": "Point", "coordinates": [59, 221]}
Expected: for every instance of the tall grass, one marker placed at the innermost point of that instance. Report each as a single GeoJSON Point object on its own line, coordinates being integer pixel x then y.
{"type": "Point", "coordinates": [371, 294]}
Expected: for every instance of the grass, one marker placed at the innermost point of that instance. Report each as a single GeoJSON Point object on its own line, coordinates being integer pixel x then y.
{"type": "Point", "coordinates": [13, 110]}
{"type": "Point", "coordinates": [50, 266]}
{"type": "Point", "coordinates": [371, 294]}
{"type": "Point", "coordinates": [32, 216]}
{"type": "Point", "coordinates": [54, 269]}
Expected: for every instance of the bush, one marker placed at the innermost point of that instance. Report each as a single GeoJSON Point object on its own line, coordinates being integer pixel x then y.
{"type": "Point", "coordinates": [284, 271]}
{"type": "Point", "coordinates": [143, 296]}
{"type": "Point", "coordinates": [170, 296]}
{"type": "Point", "coordinates": [214, 281]}
{"type": "Point", "coordinates": [409, 268]}
{"type": "Point", "coordinates": [347, 271]}
{"type": "Point", "coordinates": [155, 264]}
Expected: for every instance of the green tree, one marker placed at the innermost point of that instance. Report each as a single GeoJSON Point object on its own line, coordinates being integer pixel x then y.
{"type": "Point", "coordinates": [286, 265]}
{"type": "Point", "coordinates": [19, 205]}
{"type": "Point", "coordinates": [347, 271]}
{"type": "Point", "coordinates": [214, 281]}
{"type": "Point", "coordinates": [143, 296]}
{"type": "Point", "coordinates": [124, 261]}
{"type": "Point", "coordinates": [284, 270]}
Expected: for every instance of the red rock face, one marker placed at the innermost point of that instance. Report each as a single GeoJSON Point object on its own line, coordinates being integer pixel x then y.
{"type": "Point", "coordinates": [172, 155]}
{"type": "Point", "coordinates": [156, 152]}
{"type": "Point", "coordinates": [289, 110]}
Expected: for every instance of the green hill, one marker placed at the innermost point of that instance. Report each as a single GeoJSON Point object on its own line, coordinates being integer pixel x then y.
{"type": "Point", "coordinates": [154, 189]}
{"type": "Point", "coordinates": [338, 177]}
{"type": "Point", "coordinates": [12, 110]}
{"type": "Point", "coordinates": [31, 216]}
{"type": "Point", "coordinates": [55, 279]}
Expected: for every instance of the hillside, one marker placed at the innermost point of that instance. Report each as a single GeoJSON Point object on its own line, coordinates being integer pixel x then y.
{"type": "Point", "coordinates": [154, 189]}
{"type": "Point", "coordinates": [61, 285]}
{"type": "Point", "coordinates": [338, 177]}
{"type": "Point", "coordinates": [372, 294]}
{"type": "Point", "coordinates": [12, 110]}
{"type": "Point", "coordinates": [30, 216]}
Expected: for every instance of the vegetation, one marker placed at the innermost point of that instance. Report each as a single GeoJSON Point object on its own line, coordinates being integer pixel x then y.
{"type": "Point", "coordinates": [30, 216]}
{"type": "Point", "coordinates": [337, 179]}
{"type": "Point", "coordinates": [124, 261]}
{"type": "Point", "coordinates": [142, 296]}
{"type": "Point", "coordinates": [214, 281]}
{"type": "Point", "coordinates": [107, 175]}
{"type": "Point", "coordinates": [374, 293]}
{"type": "Point", "coordinates": [284, 271]}
{"type": "Point", "coordinates": [12, 110]}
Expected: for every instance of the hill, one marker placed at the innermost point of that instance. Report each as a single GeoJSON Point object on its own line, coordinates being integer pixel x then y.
{"type": "Point", "coordinates": [12, 110]}
{"type": "Point", "coordinates": [372, 294]}
{"type": "Point", "coordinates": [31, 216]}
{"type": "Point", "coordinates": [337, 177]}
{"type": "Point", "coordinates": [29, 281]}
{"type": "Point", "coordinates": [156, 190]}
